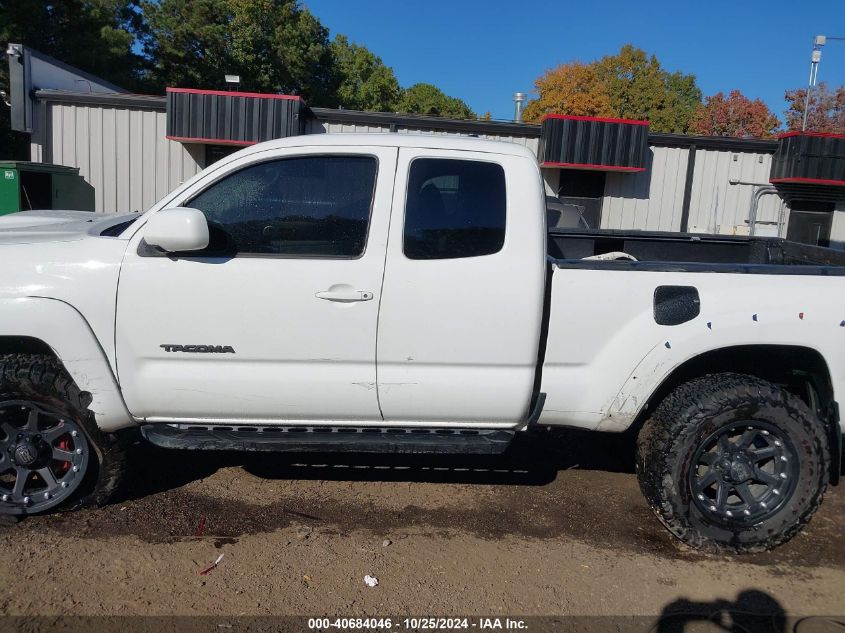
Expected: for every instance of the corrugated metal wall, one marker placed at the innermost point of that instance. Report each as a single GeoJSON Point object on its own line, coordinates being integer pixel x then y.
{"type": "Point", "coordinates": [649, 200]}
{"type": "Point", "coordinates": [653, 200]}
{"type": "Point", "coordinates": [121, 152]}
{"type": "Point", "coordinates": [716, 205]}
{"type": "Point", "coordinates": [837, 229]}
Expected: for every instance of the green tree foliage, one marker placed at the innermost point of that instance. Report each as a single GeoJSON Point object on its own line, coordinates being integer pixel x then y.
{"type": "Point", "coordinates": [364, 82]}
{"type": "Point", "coordinates": [686, 99]}
{"type": "Point", "coordinates": [94, 35]}
{"type": "Point", "coordinates": [630, 85]}
{"type": "Point", "coordinates": [430, 100]}
{"type": "Point", "coordinates": [826, 112]}
{"type": "Point", "coordinates": [640, 88]}
{"type": "Point", "coordinates": [274, 45]}
{"type": "Point", "coordinates": [146, 45]}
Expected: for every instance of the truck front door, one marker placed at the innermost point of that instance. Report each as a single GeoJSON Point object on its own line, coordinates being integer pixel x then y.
{"type": "Point", "coordinates": [276, 319]}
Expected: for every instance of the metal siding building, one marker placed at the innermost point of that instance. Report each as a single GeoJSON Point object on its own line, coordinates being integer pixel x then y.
{"type": "Point", "coordinates": [716, 203]}
{"type": "Point", "coordinates": [119, 144]}
{"type": "Point", "coordinates": [120, 150]}
{"type": "Point", "coordinates": [134, 149]}
{"type": "Point", "coordinates": [651, 199]}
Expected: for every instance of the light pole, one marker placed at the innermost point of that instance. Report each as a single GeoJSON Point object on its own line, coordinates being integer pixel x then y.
{"type": "Point", "coordinates": [815, 58]}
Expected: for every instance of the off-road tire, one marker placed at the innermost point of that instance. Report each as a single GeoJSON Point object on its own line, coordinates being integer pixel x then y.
{"type": "Point", "coordinates": [670, 441]}
{"type": "Point", "coordinates": [43, 380]}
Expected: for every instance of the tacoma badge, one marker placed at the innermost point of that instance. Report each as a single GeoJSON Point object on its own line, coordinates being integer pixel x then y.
{"type": "Point", "coordinates": [199, 349]}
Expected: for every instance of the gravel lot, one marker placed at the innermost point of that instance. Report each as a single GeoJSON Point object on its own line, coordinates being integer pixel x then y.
{"type": "Point", "coordinates": [553, 528]}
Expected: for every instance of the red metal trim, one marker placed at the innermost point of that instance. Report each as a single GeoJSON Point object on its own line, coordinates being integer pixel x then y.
{"type": "Point", "coordinates": [214, 141]}
{"type": "Point", "coordinates": [809, 181]}
{"type": "Point", "coordinates": [588, 166]}
{"type": "Point", "coordinates": [226, 93]}
{"type": "Point", "coordinates": [573, 117]}
{"type": "Point", "coordinates": [797, 133]}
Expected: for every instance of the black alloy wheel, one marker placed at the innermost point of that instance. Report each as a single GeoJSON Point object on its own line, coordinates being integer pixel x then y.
{"type": "Point", "coordinates": [743, 473]}
{"type": "Point", "coordinates": [44, 457]}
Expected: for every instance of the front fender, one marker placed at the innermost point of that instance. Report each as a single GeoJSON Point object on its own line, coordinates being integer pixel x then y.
{"type": "Point", "coordinates": [68, 334]}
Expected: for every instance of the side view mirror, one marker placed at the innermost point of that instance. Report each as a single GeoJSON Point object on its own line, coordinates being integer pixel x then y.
{"type": "Point", "coordinates": [176, 230]}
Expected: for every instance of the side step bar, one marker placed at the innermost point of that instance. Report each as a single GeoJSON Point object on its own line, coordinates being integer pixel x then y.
{"type": "Point", "coordinates": [328, 439]}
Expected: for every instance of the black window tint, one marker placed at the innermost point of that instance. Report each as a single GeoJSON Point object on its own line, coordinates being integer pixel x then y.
{"type": "Point", "coordinates": [455, 208]}
{"type": "Point", "coordinates": [316, 206]}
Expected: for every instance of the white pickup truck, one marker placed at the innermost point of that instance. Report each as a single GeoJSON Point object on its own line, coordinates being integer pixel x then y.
{"type": "Point", "coordinates": [403, 294]}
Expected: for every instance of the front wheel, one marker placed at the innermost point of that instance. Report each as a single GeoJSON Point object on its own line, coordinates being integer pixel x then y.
{"type": "Point", "coordinates": [729, 462]}
{"type": "Point", "coordinates": [52, 455]}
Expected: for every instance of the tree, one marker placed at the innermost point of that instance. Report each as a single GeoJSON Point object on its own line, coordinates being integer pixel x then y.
{"type": "Point", "coordinates": [429, 100]}
{"type": "Point", "coordinates": [572, 88]}
{"type": "Point", "coordinates": [364, 81]}
{"type": "Point", "coordinates": [735, 115]}
{"type": "Point", "coordinates": [93, 35]}
{"type": "Point", "coordinates": [274, 45]}
{"type": "Point", "coordinates": [826, 112]}
{"type": "Point", "coordinates": [630, 85]}
{"type": "Point", "coordinates": [687, 98]}
{"type": "Point", "coordinates": [639, 88]}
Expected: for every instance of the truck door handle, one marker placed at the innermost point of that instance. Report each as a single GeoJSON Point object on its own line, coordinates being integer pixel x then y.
{"type": "Point", "coordinates": [344, 295]}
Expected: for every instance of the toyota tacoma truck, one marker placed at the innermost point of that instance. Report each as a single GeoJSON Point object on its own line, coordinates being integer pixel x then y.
{"type": "Point", "coordinates": [404, 294]}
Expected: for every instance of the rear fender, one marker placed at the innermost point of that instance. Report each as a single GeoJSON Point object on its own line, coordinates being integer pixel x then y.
{"type": "Point", "coordinates": [683, 345]}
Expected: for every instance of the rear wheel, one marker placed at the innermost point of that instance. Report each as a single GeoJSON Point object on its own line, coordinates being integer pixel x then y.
{"type": "Point", "coordinates": [51, 452]}
{"type": "Point", "coordinates": [730, 462]}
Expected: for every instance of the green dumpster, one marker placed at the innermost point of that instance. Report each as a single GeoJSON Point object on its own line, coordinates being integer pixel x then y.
{"type": "Point", "coordinates": [25, 186]}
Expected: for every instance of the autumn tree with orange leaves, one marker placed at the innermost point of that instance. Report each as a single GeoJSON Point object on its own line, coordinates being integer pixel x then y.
{"type": "Point", "coordinates": [826, 112]}
{"type": "Point", "coordinates": [630, 84]}
{"type": "Point", "coordinates": [734, 115]}
{"type": "Point", "coordinates": [572, 88]}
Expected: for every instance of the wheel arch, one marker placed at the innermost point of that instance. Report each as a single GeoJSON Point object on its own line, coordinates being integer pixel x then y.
{"type": "Point", "coordinates": [801, 370]}
{"type": "Point", "coordinates": [54, 328]}
{"type": "Point", "coordinates": [12, 344]}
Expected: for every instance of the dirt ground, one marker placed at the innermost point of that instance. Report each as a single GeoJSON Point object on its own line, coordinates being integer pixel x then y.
{"type": "Point", "coordinates": [552, 528]}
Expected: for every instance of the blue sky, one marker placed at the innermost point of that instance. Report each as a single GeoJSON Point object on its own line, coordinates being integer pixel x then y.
{"type": "Point", "coordinates": [483, 52]}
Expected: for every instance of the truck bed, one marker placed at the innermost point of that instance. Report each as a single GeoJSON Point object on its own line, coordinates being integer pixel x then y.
{"type": "Point", "coordinates": [569, 247]}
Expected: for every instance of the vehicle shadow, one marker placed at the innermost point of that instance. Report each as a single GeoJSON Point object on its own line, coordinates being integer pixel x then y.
{"type": "Point", "coordinates": [754, 611]}
{"type": "Point", "coordinates": [533, 459]}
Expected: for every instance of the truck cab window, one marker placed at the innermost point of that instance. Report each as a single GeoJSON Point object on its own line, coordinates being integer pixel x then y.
{"type": "Point", "coordinates": [454, 208]}
{"type": "Point", "coordinates": [313, 206]}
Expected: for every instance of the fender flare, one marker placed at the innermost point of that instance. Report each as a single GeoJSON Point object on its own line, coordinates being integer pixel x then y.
{"type": "Point", "coordinates": [68, 334]}
{"type": "Point", "coordinates": [660, 364]}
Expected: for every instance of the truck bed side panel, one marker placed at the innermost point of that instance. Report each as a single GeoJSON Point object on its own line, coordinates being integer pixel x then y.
{"type": "Point", "coordinates": [606, 354]}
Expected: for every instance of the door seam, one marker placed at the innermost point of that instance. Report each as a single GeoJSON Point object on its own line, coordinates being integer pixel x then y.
{"type": "Point", "coordinates": [384, 274]}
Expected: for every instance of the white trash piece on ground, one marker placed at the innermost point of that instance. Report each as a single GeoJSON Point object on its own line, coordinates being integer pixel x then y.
{"type": "Point", "coordinates": [214, 565]}
{"type": "Point", "coordinates": [370, 581]}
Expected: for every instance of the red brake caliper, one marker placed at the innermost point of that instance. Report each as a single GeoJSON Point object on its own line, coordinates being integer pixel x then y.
{"type": "Point", "coordinates": [63, 467]}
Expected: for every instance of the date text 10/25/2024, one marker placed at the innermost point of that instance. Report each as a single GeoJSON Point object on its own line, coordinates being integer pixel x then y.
{"type": "Point", "coordinates": [421, 623]}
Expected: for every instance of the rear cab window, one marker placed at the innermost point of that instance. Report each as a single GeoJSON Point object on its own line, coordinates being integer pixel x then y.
{"type": "Point", "coordinates": [454, 209]}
